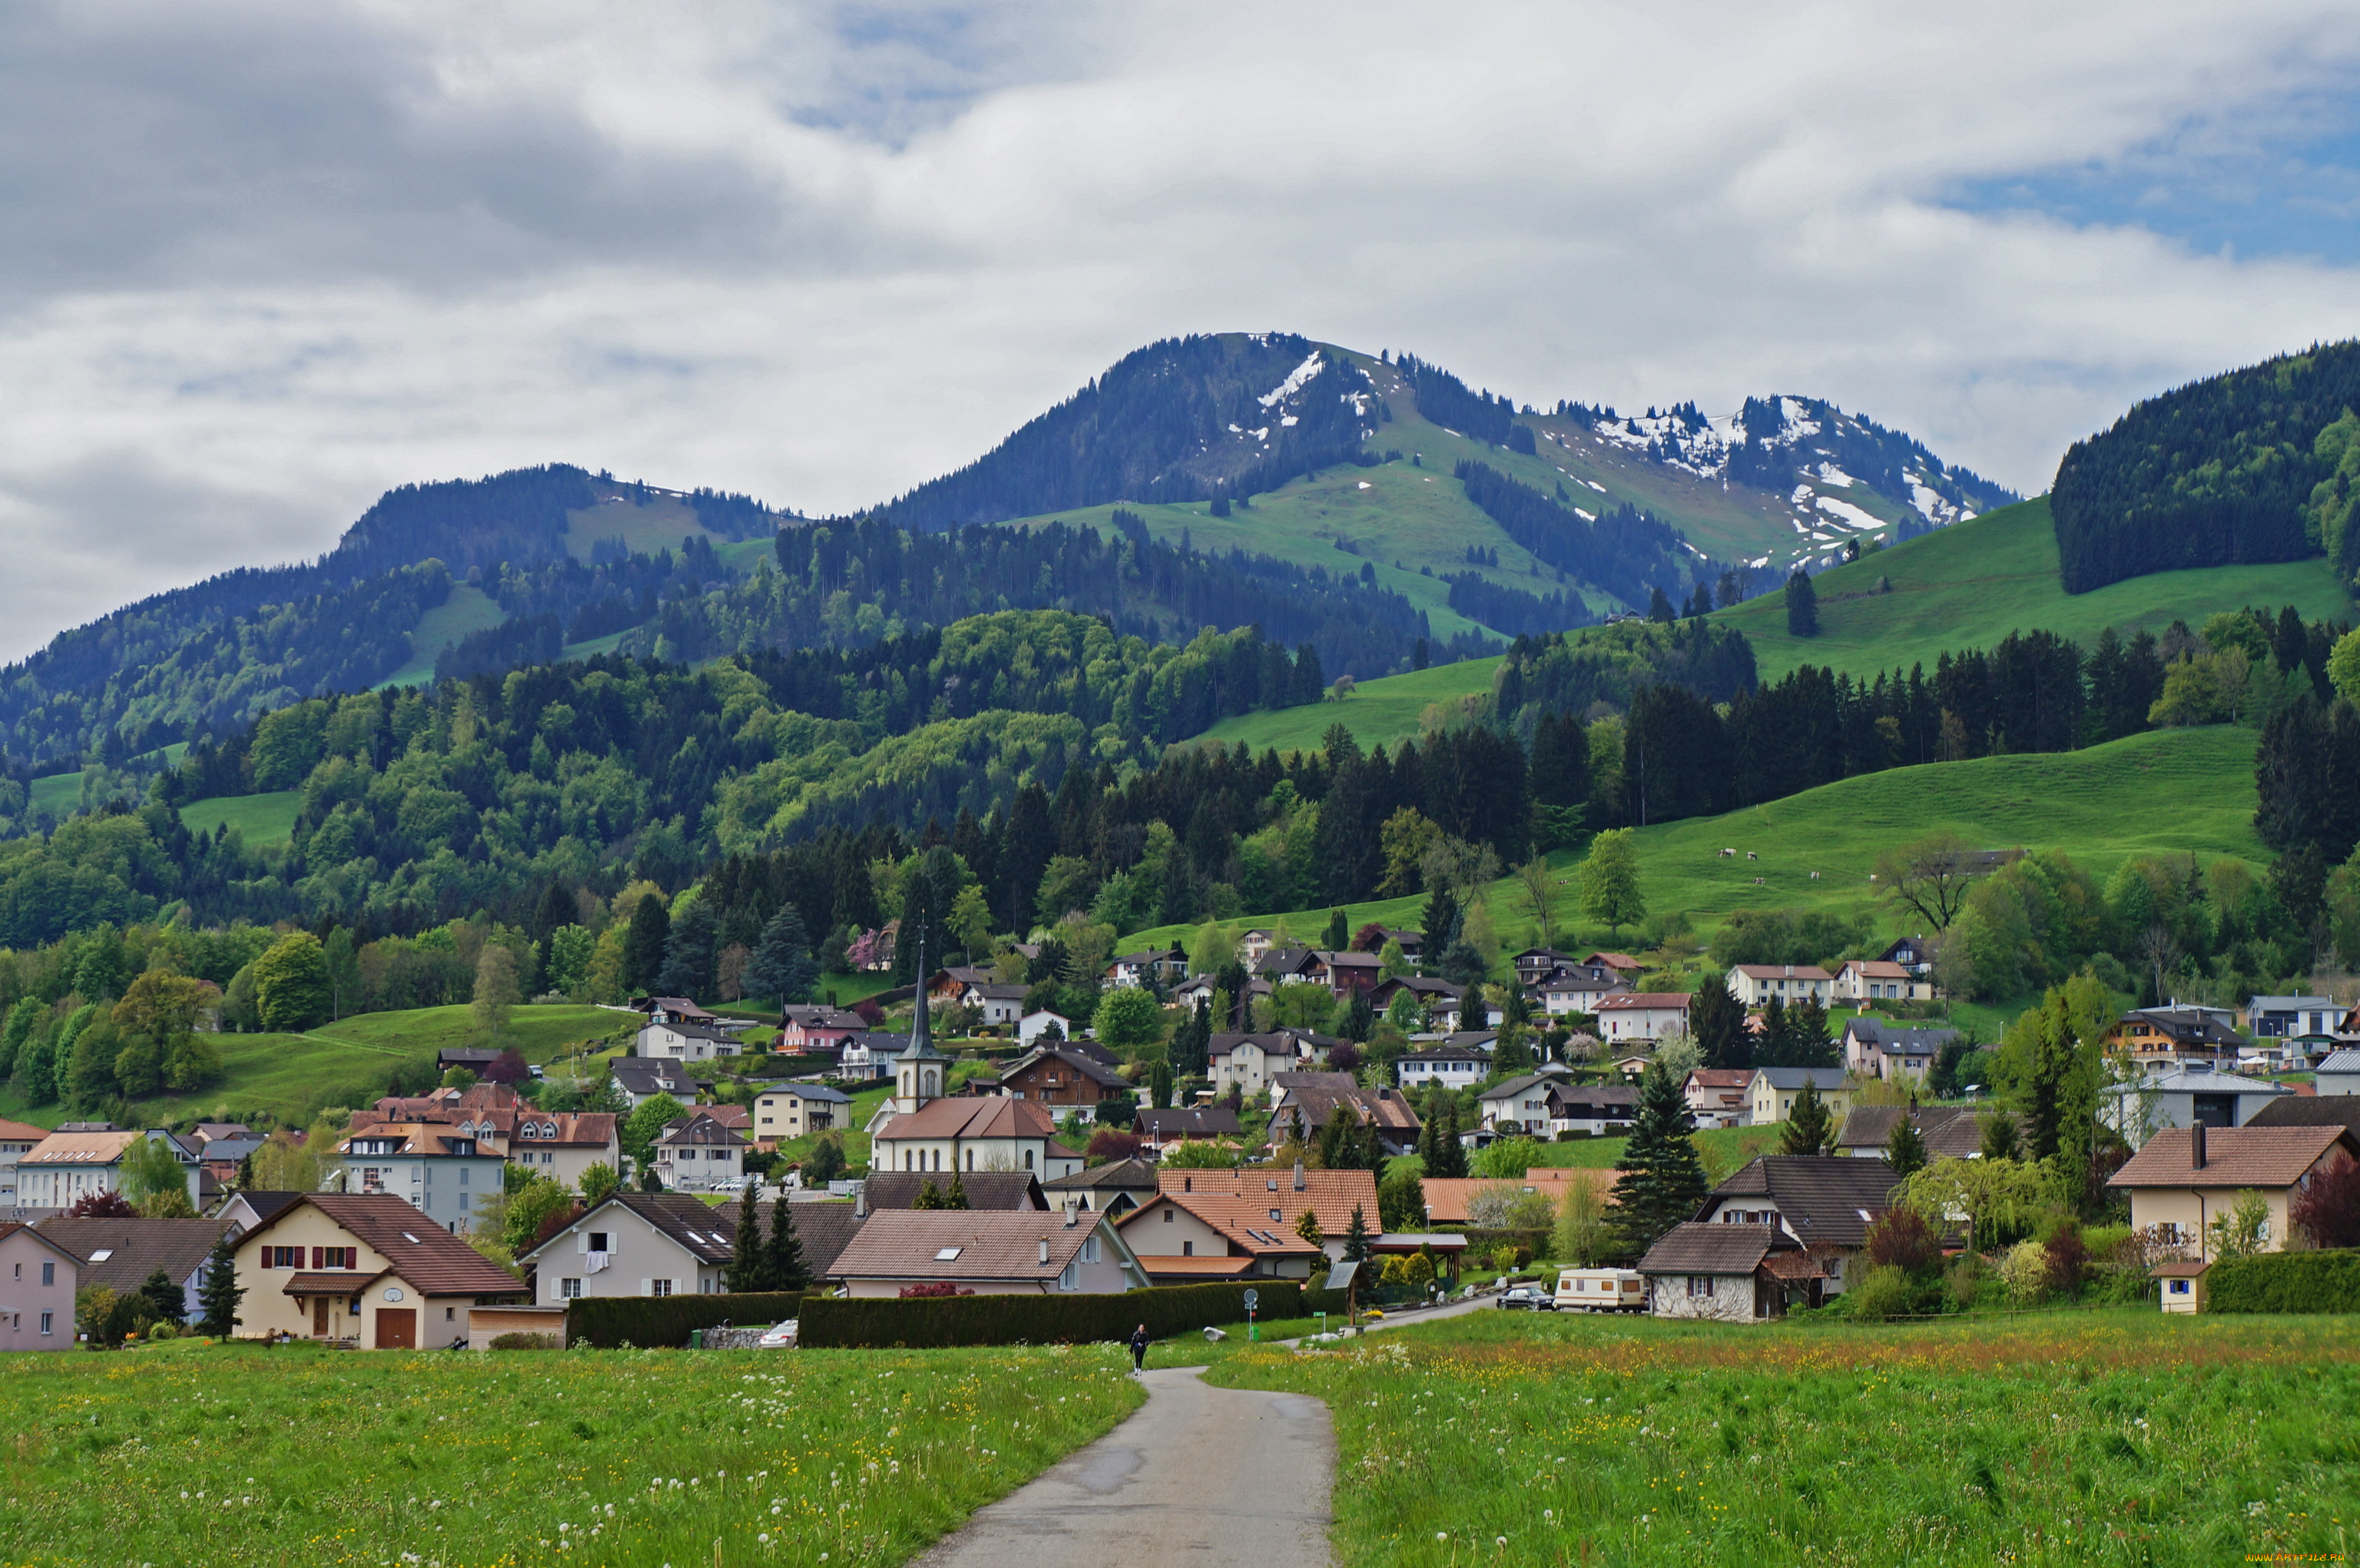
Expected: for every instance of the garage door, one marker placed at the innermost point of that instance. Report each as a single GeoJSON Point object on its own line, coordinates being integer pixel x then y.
{"type": "Point", "coordinates": [396, 1328]}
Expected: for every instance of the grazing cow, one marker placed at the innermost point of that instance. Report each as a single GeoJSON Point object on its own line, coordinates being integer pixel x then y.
{"type": "Point", "coordinates": [1757, 881]}
{"type": "Point", "coordinates": [1727, 853]}
{"type": "Point", "coordinates": [1815, 876]}
{"type": "Point", "coordinates": [1751, 856]}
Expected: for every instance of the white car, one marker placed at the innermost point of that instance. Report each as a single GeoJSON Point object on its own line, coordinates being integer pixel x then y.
{"type": "Point", "coordinates": [779, 1336]}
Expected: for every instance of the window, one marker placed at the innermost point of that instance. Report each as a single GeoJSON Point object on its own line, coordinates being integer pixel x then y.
{"type": "Point", "coordinates": [1274, 1214]}
{"type": "Point", "coordinates": [1069, 1279]}
{"type": "Point", "coordinates": [1187, 1249]}
{"type": "Point", "coordinates": [101, 1254]}
{"type": "Point", "coordinates": [1028, 1159]}
{"type": "Point", "coordinates": [1701, 1285]}
{"type": "Point", "coordinates": [1090, 1250]}
{"type": "Point", "coordinates": [946, 1255]}
{"type": "Point", "coordinates": [335, 1257]}
{"type": "Point", "coordinates": [1167, 1216]}
{"type": "Point", "coordinates": [658, 1286]}
{"type": "Point", "coordinates": [2180, 1286]}
{"type": "Point", "coordinates": [599, 1241]}
{"type": "Point", "coordinates": [283, 1257]}
{"type": "Point", "coordinates": [568, 1290]}
{"type": "Point", "coordinates": [46, 1319]}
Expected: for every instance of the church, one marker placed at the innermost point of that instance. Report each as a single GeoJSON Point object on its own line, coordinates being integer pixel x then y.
{"type": "Point", "coordinates": [920, 1127]}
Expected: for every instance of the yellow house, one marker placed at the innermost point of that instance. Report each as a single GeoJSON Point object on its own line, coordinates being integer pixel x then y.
{"type": "Point", "coordinates": [1771, 1096]}
{"type": "Point", "coordinates": [2183, 1179]}
{"type": "Point", "coordinates": [366, 1268]}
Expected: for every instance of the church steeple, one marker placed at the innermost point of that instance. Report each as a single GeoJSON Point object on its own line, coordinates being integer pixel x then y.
{"type": "Point", "coordinates": [920, 1073]}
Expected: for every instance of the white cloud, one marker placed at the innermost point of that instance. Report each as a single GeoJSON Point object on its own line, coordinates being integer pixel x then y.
{"type": "Point", "coordinates": [260, 262]}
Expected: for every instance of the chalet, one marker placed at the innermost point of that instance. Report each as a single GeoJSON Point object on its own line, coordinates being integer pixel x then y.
{"type": "Point", "coordinates": [1721, 1096]}
{"type": "Point", "coordinates": [1823, 1203]}
{"type": "Point", "coordinates": [1052, 1075]}
{"type": "Point", "coordinates": [1161, 965]}
{"type": "Point", "coordinates": [950, 986]}
{"type": "Point", "coordinates": [988, 1253]}
{"type": "Point", "coordinates": [678, 1010]}
{"type": "Point", "coordinates": [815, 1031]}
{"type": "Point", "coordinates": [2189, 1096]}
{"type": "Point", "coordinates": [2184, 1178]}
{"type": "Point", "coordinates": [1643, 1016]}
{"type": "Point", "coordinates": [1282, 966]}
{"type": "Point", "coordinates": [1344, 973]}
{"type": "Point", "coordinates": [1873, 1048]}
{"type": "Point", "coordinates": [2160, 1039]}
{"type": "Point", "coordinates": [1411, 943]}
{"type": "Point", "coordinates": [1877, 979]}
{"type": "Point", "coordinates": [792, 1110]}
{"type": "Point", "coordinates": [441, 1171]}
{"type": "Point", "coordinates": [1113, 1189]}
{"type": "Point", "coordinates": [66, 1166]}
{"type": "Point", "coordinates": [1253, 945]}
{"type": "Point", "coordinates": [368, 1270]}
{"type": "Point", "coordinates": [1622, 964]}
{"type": "Point", "coordinates": [474, 1058]}
{"type": "Point", "coordinates": [1732, 1274]}
{"type": "Point", "coordinates": [1755, 984]}
{"type": "Point", "coordinates": [1427, 991]}
{"type": "Point", "coordinates": [1911, 954]}
{"type": "Point", "coordinates": [38, 1277]}
{"type": "Point", "coordinates": [1316, 1098]}
{"type": "Point", "coordinates": [1162, 1127]}
{"type": "Point", "coordinates": [1771, 1096]}
{"type": "Point", "coordinates": [1533, 964]}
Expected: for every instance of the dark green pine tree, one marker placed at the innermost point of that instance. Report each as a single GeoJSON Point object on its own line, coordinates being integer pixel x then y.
{"type": "Point", "coordinates": [1774, 1046]}
{"type": "Point", "coordinates": [1440, 917]}
{"type": "Point", "coordinates": [1809, 1041]}
{"type": "Point", "coordinates": [1717, 1019]}
{"type": "Point", "coordinates": [1905, 1149]}
{"type": "Point", "coordinates": [957, 1197]}
{"type": "Point", "coordinates": [1802, 606]}
{"type": "Point", "coordinates": [781, 964]}
{"type": "Point", "coordinates": [643, 943]}
{"type": "Point", "coordinates": [929, 1196]}
{"type": "Point", "coordinates": [1661, 1183]}
{"type": "Point", "coordinates": [1659, 606]}
{"type": "Point", "coordinates": [1809, 1129]}
{"type": "Point", "coordinates": [165, 1297]}
{"type": "Point", "coordinates": [1340, 931]}
{"type": "Point", "coordinates": [220, 1293]}
{"type": "Point", "coordinates": [747, 1270]}
{"type": "Point", "coordinates": [783, 1257]}
{"type": "Point", "coordinates": [1447, 1158]}
{"type": "Point", "coordinates": [1356, 1237]}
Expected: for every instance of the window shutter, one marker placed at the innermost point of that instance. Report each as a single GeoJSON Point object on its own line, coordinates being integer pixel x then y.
{"type": "Point", "coordinates": [317, 1254]}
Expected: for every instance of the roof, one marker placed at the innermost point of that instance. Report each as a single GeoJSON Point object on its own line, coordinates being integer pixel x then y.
{"type": "Point", "coordinates": [2180, 1268]}
{"type": "Point", "coordinates": [1827, 1199]}
{"type": "Point", "coordinates": [1446, 1197]}
{"type": "Point", "coordinates": [2197, 1081]}
{"type": "Point", "coordinates": [980, 1244]}
{"type": "Point", "coordinates": [1385, 1109]}
{"type": "Point", "coordinates": [2184, 1026]}
{"type": "Point", "coordinates": [1515, 1086]}
{"type": "Point", "coordinates": [334, 1282]}
{"type": "Point", "coordinates": [1159, 1265]}
{"type": "Point", "coordinates": [10, 1227]}
{"type": "Point", "coordinates": [690, 1221]}
{"type": "Point", "coordinates": [1680, 999]}
{"type": "Point", "coordinates": [1119, 1175]}
{"type": "Point", "coordinates": [2293, 1004]}
{"type": "Point", "coordinates": [821, 1018]}
{"type": "Point", "coordinates": [1795, 1077]}
{"type": "Point", "coordinates": [812, 1091]}
{"type": "Point", "coordinates": [1445, 1053]}
{"type": "Point", "coordinates": [1951, 1132]}
{"type": "Point", "coordinates": [643, 1074]}
{"type": "Point", "coordinates": [1720, 1076]}
{"type": "Point", "coordinates": [1896, 1040]}
{"type": "Point", "coordinates": [2233, 1157]}
{"type": "Point", "coordinates": [701, 1131]}
{"type": "Point", "coordinates": [984, 1189]}
{"type": "Point", "coordinates": [1782, 971]}
{"type": "Point", "coordinates": [1244, 1221]}
{"type": "Point", "coordinates": [267, 1206]}
{"type": "Point", "coordinates": [423, 1253]}
{"type": "Point", "coordinates": [1613, 960]}
{"type": "Point", "coordinates": [985, 1116]}
{"type": "Point", "coordinates": [1274, 1044]}
{"type": "Point", "coordinates": [1695, 1248]}
{"type": "Point", "coordinates": [217, 1150]}
{"type": "Point", "coordinates": [2344, 1060]}
{"type": "Point", "coordinates": [1073, 1062]}
{"type": "Point", "coordinates": [2309, 1111]}
{"type": "Point", "coordinates": [1875, 969]}
{"type": "Point", "coordinates": [79, 1148]}
{"type": "Point", "coordinates": [135, 1248]}
{"type": "Point", "coordinates": [22, 1132]}
{"type": "Point", "coordinates": [1189, 1120]}
{"type": "Point", "coordinates": [680, 1005]}
{"type": "Point", "coordinates": [824, 1229]}
{"type": "Point", "coordinates": [1330, 1194]}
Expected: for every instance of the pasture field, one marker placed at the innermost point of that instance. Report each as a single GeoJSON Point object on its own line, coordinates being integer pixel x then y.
{"type": "Point", "coordinates": [2085, 1437]}
{"type": "Point", "coordinates": [260, 820]}
{"type": "Point", "coordinates": [189, 1453]}
{"type": "Point", "coordinates": [468, 609]}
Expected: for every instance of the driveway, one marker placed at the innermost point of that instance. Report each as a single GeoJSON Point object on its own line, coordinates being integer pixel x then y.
{"type": "Point", "coordinates": [1202, 1476]}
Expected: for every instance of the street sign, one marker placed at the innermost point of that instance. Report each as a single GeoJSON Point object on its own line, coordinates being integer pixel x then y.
{"type": "Point", "coordinates": [1253, 1298]}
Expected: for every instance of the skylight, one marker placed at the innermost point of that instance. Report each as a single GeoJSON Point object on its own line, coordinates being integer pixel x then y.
{"type": "Point", "coordinates": [101, 1254]}
{"type": "Point", "coordinates": [946, 1255]}
{"type": "Point", "coordinates": [411, 1240]}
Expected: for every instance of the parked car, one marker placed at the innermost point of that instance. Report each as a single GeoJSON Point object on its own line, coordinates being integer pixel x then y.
{"type": "Point", "coordinates": [1527, 1298]}
{"type": "Point", "coordinates": [779, 1336]}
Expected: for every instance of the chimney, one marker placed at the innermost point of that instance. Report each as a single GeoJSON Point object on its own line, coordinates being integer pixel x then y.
{"type": "Point", "coordinates": [1044, 1247]}
{"type": "Point", "coordinates": [2196, 1146]}
{"type": "Point", "coordinates": [1298, 1175]}
{"type": "Point", "coordinates": [861, 1201]}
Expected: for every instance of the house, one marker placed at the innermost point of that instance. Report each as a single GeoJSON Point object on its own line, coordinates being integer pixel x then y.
{"type": "Point", "coordinates": [2184, 1097]}
{"type": "Point", "coordinates": [641, 1078]}
{"type": "Point", "coordinates": [2161, 1037]}
{"type": "Point", "coordinates": [1032, 1026]}
{"type": "Point", "coordinates": [2183, 1179]}
{"type": "Point", "coordinates": [658, 1040]}
{"type": "Point", "coordinates": [38, 1277]}
{"type": "Point", "coordinates": [1949, 1132]}
{"type": "Point", "coordinates": [219, 1160]}
{"type": "Point", "coordinates": [1771, 1096]}
{"type": "Point", "coordinates": [1534, 963]}
{"type": "Point", "coordinates": [68, 1165]}
{"type": "Point", "coordinates": [681, 1242]}
{"type": "Point", "coordinates": [984, 1189]}
{"type": "Point", "coordinates": [792, 1110]}
{"type": "Point", "coordinates": [1873, 1048]}
{"type": "Point", "coordinates": [1448, 1197]}
{"type": "Point", "coordinates": [952, 985]}
{"type": "Point", "coordinates": [824, 1227]}
{"type": "Point", "coordinates": [1331, 1195]}
{"type": "Point", "coordinates": [2182, 1284]}
{"type": "Point", "coordinates": [1912, 954]}
{"type": "Point", "coordinates": [1054, 1076]}
{"type": "Point", "coordinates": [870, 1055]}
{"type": "Point", "coordinates": [1187, 1238]}
{"type": "Point", "coordinates": [1113, 1189]}
{"type": "Point", "coordinates": [816, 1031]}
{"type": "Point", "coordinates": [474, 1058]}
{"type": "Point", "coordinates": [1730, 1274]}
{"type": "Point", "coordinates": [1345, 973]}
{"type": "Point", "coordinates": [436, 1168]}
{"type": "Point", "coordinates": [1194, 989]}
{"type": "Point", "coordinates": [247, 1208]}
{"type": "Point", "coordinates": [1253, 947]}
{"type": "Point", "coordinates": [990, 1253]}
{"type": "Point", "coordinates": [562, 1144]}
{"type": "Point", "coordinates": [366, 1268]}
{"type": "Point", "coordinates": [988, 1133]}
{"type": "Point", "coordinates": [1467, 1013]}
{"type": "Point", "coordinates": [1598, 1109]}
{"type": "Point", "coordinates": [1245, 1062]}
{"type": "Point", "coordinates": [1824, 1202]}
{"type": "Point", "coordinates": [1162, 965]}
{"type": "Point", "coordinates": [677, 1010]}
{"type": "Point", "coordinates": [698, 1153]}
{"type": "Point", "coordinates": [1318, 1097]}
{"type": "Point", "coordinates": [1578, 988]}
{"type": "Point", "coordinates": [16, 1140]}
{"type": "Point", "coordinates": [1643, 1016]}
{"type": "Point", "coordinates": [1427, 991]}
{"type": "Point", "coordinates": [1454, 1067]}
{"type": "Point", "coordinates": [1634, 1065]}
{"type": "Point", "coordinates": [1164, 1127]}
{"type": "Point", "coordinates": [122, 1254]}
{"type": "Point", "coordinates": [2309, 1111]}
{"type": "Point", "coordinates": [1622, 964]}
{"type": "Point", "coordinates": [1522, 1102]}
{"type": "Point", "coordinates": [1721, 1096]}
{"type": "Point", "coordinates": [1000, 1004]}
{"type": "Point", "coordinates": [2292, 1018]}
{"type": "Point", "coordinates": [1755, 984]}
{"type": "Point", "coordinates": [1878, 980]}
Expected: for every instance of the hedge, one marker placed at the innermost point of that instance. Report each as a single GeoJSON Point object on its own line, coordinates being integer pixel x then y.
{"type": "Point", "coordinates": [609, 1323]}
{"type": "Point", "coordinates": [2285, 1282]}
{"type": "Point", "coordinates": [1482, 1243]}
{"type": "Point", "coordinates": [849, 1323]}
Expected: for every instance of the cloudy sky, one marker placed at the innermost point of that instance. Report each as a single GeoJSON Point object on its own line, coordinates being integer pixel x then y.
{"type": "Point", "coordinates": [260, 260]}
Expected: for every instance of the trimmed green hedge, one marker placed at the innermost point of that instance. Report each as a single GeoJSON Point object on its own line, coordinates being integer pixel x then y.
{"type": "Point", "coordinates": [2285, 1282]}
{"type": "Point", "coordinates": [846, 1324]}
{"type": "Point", "coordinates": [608, 1322]}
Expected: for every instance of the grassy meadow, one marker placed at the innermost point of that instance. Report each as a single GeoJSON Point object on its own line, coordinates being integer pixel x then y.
{"type": "Point", "coordinates": [468, 609]}
{"type": "Point", "coordinates": [2108, 1437]}
{"type": "Point", "coordinates": [187, 1452]}
{"type": "Point", "coordinates": [260, 820]}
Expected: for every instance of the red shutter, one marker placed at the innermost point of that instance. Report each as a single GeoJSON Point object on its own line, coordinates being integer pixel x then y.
{"type": "Point", "coordinates": [317, 1254]}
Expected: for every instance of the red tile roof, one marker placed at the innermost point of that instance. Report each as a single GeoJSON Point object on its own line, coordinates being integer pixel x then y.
{"type": "Point", "coordinates": [2233, 1157]}
{"type": "Point", "coordinates": [423, 1253]}
{"type": "Point", "coordinates": [987, 1116]}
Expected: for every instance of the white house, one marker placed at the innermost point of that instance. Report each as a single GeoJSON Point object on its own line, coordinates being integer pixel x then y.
{"type": "Point", "coordinates": [1001, 1004]}
{"type": "Point", "coordinates": [640, 1080]}
{"type": "Point", "coordinates": [1453, 1067]}
{"type": "Point", "coordinates": [1524, 1100]}
{"type": "Point", "coordinates": [562, 1144]}
{"type": "Point", "coordinates": [65, 1167]}
{"type": "Point", "coordinates": [635, 1243]}
{"type": "Point", "coordinates": [1875, 980]}
{"type": "Point", "coordinates": [992, 1132]}
{"type": "Point", "coordinates": [1579, 988]}
{"type": "Point", "coordinates": [1643, 1016]}
{"type": "Point", "coordinates": [1755, 984]}
{"type": "Point", "coordinates": [16, 1140]}
{"type": "Point", "coordinates": [1244, 1062]}
{"type": "Point", "coordinates": [1032, 1026]}
{"type": "Point", "coordinates": [699, 1155]}
{"type": "Point", "coordinates": [1876, 1048]}
{"type": "Point", "coordinates": [1154, 963]}
{"type": "Point", "coordinates": [660, 1039]}
{"type": "Point", "coordinates": [439, 1171]}
{"type": "Point", "coordinates": [2339, 1073]}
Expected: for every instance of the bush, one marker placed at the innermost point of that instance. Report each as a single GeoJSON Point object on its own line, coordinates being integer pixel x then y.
{"type": "Point", "coordinates": [1886, 1293]}
{"type": "Point", "coordinates": [2025, 1273]}
{"type": "Point", "coordinates": [2285, 1282]}
{"type": "Point", "coordinates": [852, 1323]}
{"type": "Point", "coordinates": [608, 1322]}
{"type": "Point", "coordinates": [2068, 1259]}
{"type": "Point", "coordinates": [525, 1342]}
{"type": "Point", "coordinates": [1902, 1239]}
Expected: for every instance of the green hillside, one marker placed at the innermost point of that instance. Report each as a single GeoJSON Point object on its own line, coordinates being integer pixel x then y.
{"type": "Point", "coordinates": [1970, 584]}
{"type": "Point", "coordinates": [261, 819]}
{"type": "Point", "coordinates": [468, 609]}
{"type": "Point", "coordinates": [2177, 791]}
{"type": "Point", "coordinates": [1379, 712]}
{"type": "Point", "coordinates": [345, 1063]}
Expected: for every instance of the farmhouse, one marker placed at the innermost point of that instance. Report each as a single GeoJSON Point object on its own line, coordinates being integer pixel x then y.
{"type": "Point", "coordinates": [1825, 1203]}
{"type": "Point", "coordinates": [366, 1269]}
{"type": "Point", "coordinates": [2160, 1039]}
{"type": "Point", "coordinates": [1730, 1274]}
{"type": "Point", "coordinates": [2183, 1179]}
{"type": "Point", "coordinates": [1053, 1075]}
{"type": "Point", "coordinates": [988, 1253]}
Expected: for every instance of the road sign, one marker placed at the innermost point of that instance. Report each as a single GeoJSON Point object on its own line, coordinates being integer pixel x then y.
{"type": "Point", "coordinates": [1253, 1298]}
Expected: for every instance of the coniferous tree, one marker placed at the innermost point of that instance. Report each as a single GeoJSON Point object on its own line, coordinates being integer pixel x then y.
{"type": "Point", "coordinates": [1809, 1129]}
{"type": "Point", "coordinates": [643, 943]}
{"type": "Point", "coordinates": [782, 965]}
{"type": "Point", "coordinates": [1339, 936]}
{"type": "Point", "coordinates": [929, 1196]}
{"type": "Point", "coordinates": [782, 1256]}
{"type": "Point", "coordinates": [749, 1268]}
{"type": "Point", "coordinates": [1774, 1046]}
{"type": "Point", "coordinates": [220, 1293]}
{"type": "Point", "coordinates": [1716, 1020]}
{"type": "Point", "coordinates": [165, 1297]}
{"type": "Point", "coordinates": [1356, 1237]}
{"type": "Point", "coordinates": [957, 1197]}
{"type": "Point", "coordinates": [1802, 606]}
{"type": "Point", "coordinates": [1661, 1183]}
{"type": "Point", "coordinates": [1905, 1149]}
{"type": "Point", "coordinates": [1809, 1042]}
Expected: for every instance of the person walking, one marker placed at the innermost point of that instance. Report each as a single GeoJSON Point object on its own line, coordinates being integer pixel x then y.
{"type": "Point", "coordinates": [1139, 1350]}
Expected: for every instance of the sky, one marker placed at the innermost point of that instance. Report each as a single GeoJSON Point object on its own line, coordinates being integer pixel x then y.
{"type": "Point", "coordinates": [262, 260]}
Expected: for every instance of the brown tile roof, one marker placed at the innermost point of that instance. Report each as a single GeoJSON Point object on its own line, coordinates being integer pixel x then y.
{"type": "Point", "coordinates": [1119, 1175]}
{"type": "Point", "coordinates": [10, 1227]}
{"type": "Point", "coordinates": [1783, 971]}
{"type": "Point", "coordinates": [1386, 1109]}
{"type": "Point", "coordinates": [1695, 1248]}
{"type": "Point", "coordinates": [1189, 1122]}
{"type": "Point", "coordinates": [1446, 1196]}
{"type": "Point", "coordinates": [1331, 1194]}
{"type": "Point", "coordinates": [1720, 1076]}
{"type": "Point", "coordinates": [21, 1132]}
{"type": "Point", "coordinates": [1244, 1222]}
{"type": "Point", "coordinates": [135, 1248]}
{"type": "Point", "coordinates": [824, 1227]}
{"type": "Point", "coordinates": [422, 1251]}
{"type": "Point", "coordinates": [986, 1116]}
{"type": "Point", "coordinates": [1827, 1199]}
{"type": "Point", "coordinates": [79, 1148]}
{"type": "Point", "coordinates": [1951, 1132]}
{"type": "Point", "coordinates": [985, 1189]}
{"type": "Point", "coordinates": [334, 1282]}
{"type": "Point", "coordinates": [907, 1243]}
{"type": "Point", "coordinates": [2308, 1111]}
{"type": "Point", "coordinates": [2233, 1157]}
{"type": "Point", "coordinates": [1160, 1266]}
{"type": "Point", "coordinates": [1645, 999]}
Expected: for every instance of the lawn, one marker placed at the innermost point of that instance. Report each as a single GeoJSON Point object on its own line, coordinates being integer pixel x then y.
{"type": "Point", "coordinates": [2100, 1437]}
{"type": "Point", "coordinates": [261, 819]}
{"type": "Point", "coordinates": [231, 1455]}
